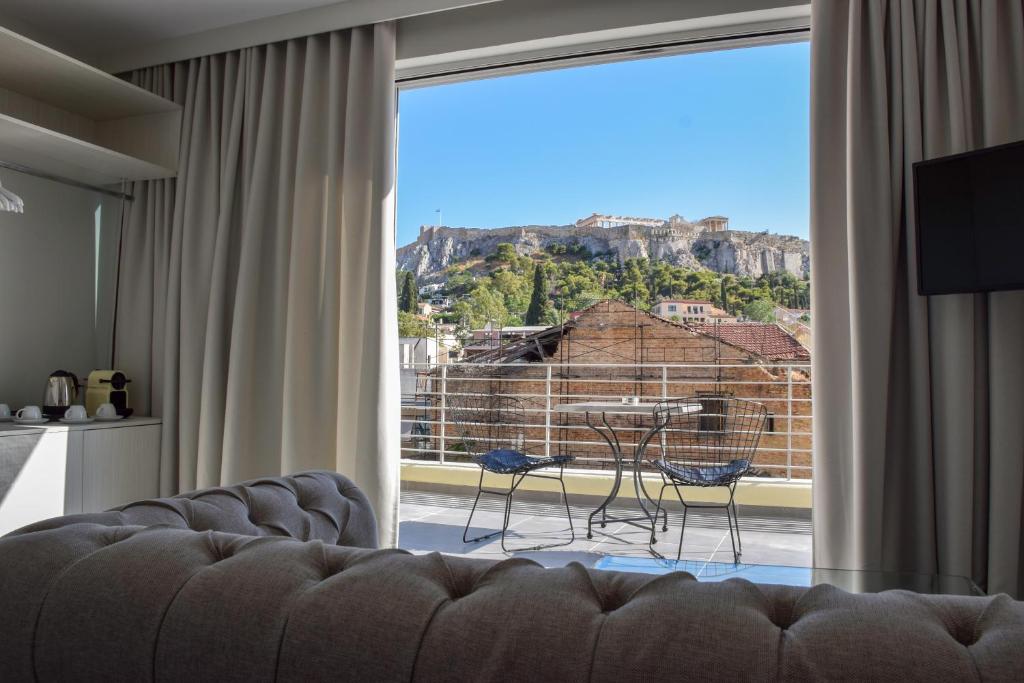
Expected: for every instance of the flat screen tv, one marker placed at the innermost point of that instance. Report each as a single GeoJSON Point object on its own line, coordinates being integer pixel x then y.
{"type": "Point", "coordinates": [970, 221]}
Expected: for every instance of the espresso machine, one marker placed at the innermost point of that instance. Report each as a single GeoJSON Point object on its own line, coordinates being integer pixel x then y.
{"type": "Point", "coordinates": [107, 386]}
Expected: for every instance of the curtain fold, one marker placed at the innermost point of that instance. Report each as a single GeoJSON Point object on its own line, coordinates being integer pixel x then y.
{"type": "Point", "coordinates": [918, 442]}
{"type": "Point", "coordinates": [257, 294]}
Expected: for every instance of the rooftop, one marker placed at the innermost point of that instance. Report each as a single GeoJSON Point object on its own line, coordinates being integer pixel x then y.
{"type": "Point", "coordinates": [685, 301]}
{"type": "Point", "coordinates": [767, 340]}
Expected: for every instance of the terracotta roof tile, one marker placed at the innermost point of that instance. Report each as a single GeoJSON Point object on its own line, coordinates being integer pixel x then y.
{"type": "Point", "coordinates": [763, 339]}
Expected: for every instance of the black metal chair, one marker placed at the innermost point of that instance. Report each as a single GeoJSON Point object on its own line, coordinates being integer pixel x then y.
{"type": "Point", "coordinates": [492, 430]}
{"type": "Point", "coordinates": [714, 447]}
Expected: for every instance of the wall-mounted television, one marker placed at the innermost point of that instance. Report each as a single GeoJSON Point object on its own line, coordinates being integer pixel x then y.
{"type": "Point", "coordinates": [970, 221]}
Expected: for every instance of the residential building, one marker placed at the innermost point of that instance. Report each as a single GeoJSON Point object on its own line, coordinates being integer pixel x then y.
{"type": "Point", "coordinates": [441, 303]}
{"type": "Point", "coordinates": [684, 310]}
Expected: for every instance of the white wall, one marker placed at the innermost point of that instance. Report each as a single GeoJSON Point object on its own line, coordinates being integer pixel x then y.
{"type": "Point", "coordinates": [536, 27]}
{"type": "Point", "coordinates": [54, 313]}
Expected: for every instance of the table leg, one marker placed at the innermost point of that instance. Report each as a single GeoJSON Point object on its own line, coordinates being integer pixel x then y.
{"type": "Point", "coordinates": [640, 490]}
{"type": "Point", "coordinates": [614, 446]}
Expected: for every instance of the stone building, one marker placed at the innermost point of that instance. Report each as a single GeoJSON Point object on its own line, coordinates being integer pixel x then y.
{"type": "Point", "coordinates": [597, 220]}
{"type": "Point", "coordinates": [612, 350]}
{"type": "Point", "coordinates": [675, 223]}
{"type": "Point", "coordinates": [682, 310]}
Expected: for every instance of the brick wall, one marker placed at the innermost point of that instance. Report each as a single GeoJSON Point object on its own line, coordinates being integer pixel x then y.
{"type": "Point", "coordinates": [613, 334]}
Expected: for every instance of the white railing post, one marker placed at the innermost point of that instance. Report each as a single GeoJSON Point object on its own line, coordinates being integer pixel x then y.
{"type": "Point", "coordinates": [789, 422]}
{"type": "Point", "coordinates": [547, 414]}
{"type": "Point", "coordinates": [596, 382]}
{"type": "Point", "coordinates": [444, 421]}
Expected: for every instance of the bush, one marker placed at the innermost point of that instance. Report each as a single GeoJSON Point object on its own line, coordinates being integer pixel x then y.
{"type": "Point", "coordinates": [760, 310]}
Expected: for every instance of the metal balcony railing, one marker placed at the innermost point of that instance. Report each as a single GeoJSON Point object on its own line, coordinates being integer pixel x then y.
{"type": "Point", "coordinates": [428, 433]}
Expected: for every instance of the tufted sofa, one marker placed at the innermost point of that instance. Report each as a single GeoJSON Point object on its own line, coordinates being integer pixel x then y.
{"type": "Point", "coordinates": [96, 600]}
{"type": "Point", "coordinates": [310, 506]}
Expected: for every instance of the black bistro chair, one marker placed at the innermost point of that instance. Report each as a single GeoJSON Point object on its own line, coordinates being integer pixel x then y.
{"type": "Point", "coordinates": [492, 430]}
{"type": "Point", "coordinates": [710, 448]}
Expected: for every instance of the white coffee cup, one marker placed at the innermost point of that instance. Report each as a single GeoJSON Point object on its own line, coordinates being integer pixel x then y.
{"type": "Point", "coordinates": [75, 413]}
{"type": "Point", "coordinates": [5, 410]}
{"type": "Point", "coordinates": [106, 410]}
{"type": "Point", "coordinates": [29, 413]}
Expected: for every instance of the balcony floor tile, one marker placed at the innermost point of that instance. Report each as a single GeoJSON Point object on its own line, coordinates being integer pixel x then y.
{"type": "Point", "coordinates": [433, 522]}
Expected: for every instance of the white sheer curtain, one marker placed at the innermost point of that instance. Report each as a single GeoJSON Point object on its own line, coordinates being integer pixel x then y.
{"type": "Point", "coordinates": [257, 304]}
{"type": "Point", "coordinates": [918, 435]}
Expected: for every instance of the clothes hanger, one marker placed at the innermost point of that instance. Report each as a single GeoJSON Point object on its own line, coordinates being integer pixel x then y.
{"type": "Point", "coordinates": [10, 201]}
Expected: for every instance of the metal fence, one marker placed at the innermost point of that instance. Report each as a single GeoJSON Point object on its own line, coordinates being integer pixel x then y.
{"type": "Point", "coordinates": [428, 433]}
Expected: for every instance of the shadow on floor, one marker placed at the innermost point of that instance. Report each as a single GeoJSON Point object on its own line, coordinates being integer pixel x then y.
{"type": "Point", "coordinates": [444, 538]}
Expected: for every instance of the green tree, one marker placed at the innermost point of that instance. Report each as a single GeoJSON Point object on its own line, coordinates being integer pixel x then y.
{"type": "Point", "coordinates": [504, 253]}
{"type": "Point", "coordinates": [410, 325]}
{"type": "Point", "coordinates": [700, 284]}
{"type": "Point", "coordinates": [760, 310]}
{"type": "Point", "coordinates": [633, 283]}
{"type": "Point", "coordinates": [538, 298]}
{"type": "Point", "coordinates": [409, 296]}
{"type": "Point", "coordinates": [486, 305]}
{"type": "Point", "coordinates": [458, 282]}
{"type": "Point", "coordinates": [514, 289]}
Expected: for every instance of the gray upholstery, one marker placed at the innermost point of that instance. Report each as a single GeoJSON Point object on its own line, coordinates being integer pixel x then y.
{"type": "Point", "coordinates": [94, 602]}
{"type": "Point", "coordinates": [324, 506]}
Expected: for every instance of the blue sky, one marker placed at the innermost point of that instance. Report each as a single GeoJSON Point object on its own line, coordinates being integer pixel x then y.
{"type": "Point", "coordinates": [700, 134]}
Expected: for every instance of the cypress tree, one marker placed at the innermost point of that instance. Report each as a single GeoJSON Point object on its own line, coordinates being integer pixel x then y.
{"type": "Point", "coordinates": [409, 297]}
{"type": "Point", "coordinates": [538, 299]}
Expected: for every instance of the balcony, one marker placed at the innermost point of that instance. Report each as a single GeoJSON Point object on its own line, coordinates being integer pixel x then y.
{"type": "Point", "coordinates": [439, 481]}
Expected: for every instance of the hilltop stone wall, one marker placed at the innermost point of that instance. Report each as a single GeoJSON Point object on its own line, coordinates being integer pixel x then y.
{"type": "Point", "coordinates": [731, 251]}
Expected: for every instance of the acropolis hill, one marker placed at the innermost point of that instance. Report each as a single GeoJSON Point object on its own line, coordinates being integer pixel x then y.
{"type": "Point", "coordinates": [706, 244]}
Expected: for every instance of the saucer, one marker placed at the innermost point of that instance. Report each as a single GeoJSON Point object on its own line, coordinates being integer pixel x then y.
{"type": "Point", "coordinates": [83, 421]}
{"type": "Point", "coordinates": [36, 421]}
{"type": "Point", "coordinates": [6, 418]}
{"type": "Point", "coordinates": [100, 418]}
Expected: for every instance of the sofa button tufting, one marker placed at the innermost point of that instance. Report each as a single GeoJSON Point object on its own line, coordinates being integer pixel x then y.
{"type": "Point", "coordinates": [611, 603]}
{"type": "Point", "coordinates": [964, 636]}
{"type": "Point", "coordinates": [781, 621]}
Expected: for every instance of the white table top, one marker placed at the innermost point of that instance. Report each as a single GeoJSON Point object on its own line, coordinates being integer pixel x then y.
{"type": "Point", "coordinates": [617, 408]}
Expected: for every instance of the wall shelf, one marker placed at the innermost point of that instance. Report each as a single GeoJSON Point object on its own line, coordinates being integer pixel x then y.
{"type": "Point", "coordinates": [58, 154]}
{"type": "Point", "coordinates": [67, 118]}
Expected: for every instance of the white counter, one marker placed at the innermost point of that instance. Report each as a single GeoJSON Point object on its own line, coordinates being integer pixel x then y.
{"type": "Point", "coordinates": [57, 468]}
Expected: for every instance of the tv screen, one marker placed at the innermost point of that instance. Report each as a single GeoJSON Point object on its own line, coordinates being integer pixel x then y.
{"type": "Point", "coordinates": [970, 221]}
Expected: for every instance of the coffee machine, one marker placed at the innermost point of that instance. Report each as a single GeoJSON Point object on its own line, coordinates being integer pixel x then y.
{"type": "Point", "coordinates": [107, 386]}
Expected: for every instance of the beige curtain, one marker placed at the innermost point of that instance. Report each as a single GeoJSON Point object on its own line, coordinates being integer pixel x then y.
{"type": "Point", "coordinates": [257, 304]}
{"type": "Point", "coordinates": [918, 430]}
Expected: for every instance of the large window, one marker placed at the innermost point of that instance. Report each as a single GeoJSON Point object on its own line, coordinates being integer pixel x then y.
{"type": "Point", "coordinates": [635, 228]}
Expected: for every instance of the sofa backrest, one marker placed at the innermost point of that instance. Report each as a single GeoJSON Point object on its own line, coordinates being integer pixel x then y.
{"type": "Point", "coordinates": [91, 602]}
{"type": "Point", "coordinates": [324, 506]}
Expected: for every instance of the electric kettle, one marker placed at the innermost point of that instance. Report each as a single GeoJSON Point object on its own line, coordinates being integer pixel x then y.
{"type": "Point", "coordinates": [61, 393]}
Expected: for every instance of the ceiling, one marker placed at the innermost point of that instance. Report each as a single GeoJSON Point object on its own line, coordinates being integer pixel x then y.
{"type": "Point", "coordinates": [90, 27]}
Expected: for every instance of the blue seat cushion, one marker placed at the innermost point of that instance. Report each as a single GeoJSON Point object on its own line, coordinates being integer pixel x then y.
{"type": "Point", "coordinates": [705, 475]}
{"type": "Point", "coordinates": [509, 461]}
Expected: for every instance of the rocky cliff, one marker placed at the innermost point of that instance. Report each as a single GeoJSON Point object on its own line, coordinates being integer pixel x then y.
{"type": "Point", "coordinates": [730, 251]}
